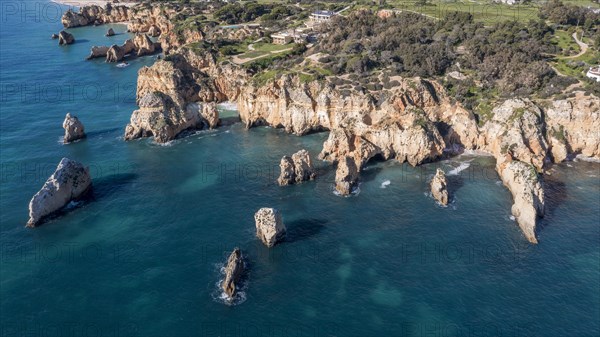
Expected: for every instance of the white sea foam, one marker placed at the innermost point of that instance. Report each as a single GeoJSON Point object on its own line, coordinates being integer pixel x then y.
{"type": "Point", "coordinates": [512, 217]}
{"type": "Point", "coordinates": [463, 166]}
{"type": "Point", "coordinates": [385, 184]}
{"type": "Point", "coordinates": [569, 165]}
{"type": "Point", "coordinates": [228, 105]}
{"type": "Point", "coordinates": [588, 159]}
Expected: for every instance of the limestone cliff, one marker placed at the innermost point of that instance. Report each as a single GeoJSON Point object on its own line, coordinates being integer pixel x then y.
{"type": "Point", "coordinates": [414, 122]}
{"type": "Point", "coordinates": [94, 14]}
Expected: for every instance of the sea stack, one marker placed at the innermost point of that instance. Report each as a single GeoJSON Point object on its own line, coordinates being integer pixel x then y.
{"type": "Point", "coordinates": [65, 38]}
{"type": "Point", "coordinates": [233, 273]}
{"type": "Point", "coordinates": [110, 32]}
{"type": "Point", "coordinates": [74, 129]}
{"type": "Point", "coordinates": [439, 187]}
{"type": "Point", "coordinates": [70, 182]}
{"type": "Point", "coordinates": [296, 169]}
{"type": "Point", "coordinates": [346, 176]}
{"type": "Point", "coordinates": [269, 226]}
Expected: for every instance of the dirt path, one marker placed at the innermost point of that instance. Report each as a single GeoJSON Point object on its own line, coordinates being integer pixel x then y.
{"type": "Point", "coordinates": [583, 46]}
{"type": "Point", "coordinates": [238, 60]}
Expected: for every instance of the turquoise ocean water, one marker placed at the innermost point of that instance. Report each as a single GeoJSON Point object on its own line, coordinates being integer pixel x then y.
{"type": "Point", "coordinates": [144, 258]}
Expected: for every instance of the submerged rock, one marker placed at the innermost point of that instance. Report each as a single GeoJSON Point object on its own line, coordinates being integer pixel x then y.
{"type": "Point", "coordinates": [110, 32]}
{"type": "Point", "coordinates": [296, 169]}
{"type": "Point", "coordinates": [65, 38]}
{"type": "Point", "coordinates": [346, 176]}
{"type": "Point", "coordinates": [70, 182]}
{"type": "Point", "coordinates": [54, 36]}
{"type": "Point", "coordinates": [439, 187]}
{"type": "Point", "coordinates": [233, 273]}
{"type": "Point", "coordinates": [74, 129]}
{"type": "Point", "coordinates": [269, 226]}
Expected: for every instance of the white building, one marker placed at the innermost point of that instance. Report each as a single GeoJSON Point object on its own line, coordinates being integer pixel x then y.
{"type": "Point", "coordinates": [594, 73]}
{"type": "Point", "coordinates": [321, 16]}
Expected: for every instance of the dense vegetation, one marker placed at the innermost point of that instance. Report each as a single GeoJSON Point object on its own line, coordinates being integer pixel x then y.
{"type": "Point", "coordinates": [507, 56]}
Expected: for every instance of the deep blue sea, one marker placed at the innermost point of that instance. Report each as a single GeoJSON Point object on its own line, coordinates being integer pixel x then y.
{"type": "Point", "coordinates": [144, 257]}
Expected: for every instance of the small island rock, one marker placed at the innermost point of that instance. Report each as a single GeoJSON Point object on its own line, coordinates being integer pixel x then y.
{"type": "Point", "coordinates": [70, 182]}
{"type": "Point", "coordinates": [110, 32]}
{"type": "Point", "coordinates": [439, 187]}
{"type": "Point", "coordinates": [74, 129]}
{"type": "Point", "coordinates": [65, 38]}
{"type": "Point", "coordinates": [54, 36]}
{"type": "Point", "coordinates": [346, 176]}
{"type": "Point", "coordinates": [233, 273]}
{"type": "Point", "coordinates": [296, 169]}
{"type": "Point", "coordinates": [269, 226]}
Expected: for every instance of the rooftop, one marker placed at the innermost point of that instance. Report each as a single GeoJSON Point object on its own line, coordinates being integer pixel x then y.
{"type": "Point", "coordinates": [327, 13]}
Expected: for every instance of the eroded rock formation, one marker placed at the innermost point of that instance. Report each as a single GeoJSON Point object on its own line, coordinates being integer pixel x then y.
{"type": "Point", "coordinates": [414, 121]}
{"type": "Point", "coordinates": [439, 187]}
{"type": "Point", "coordinates": [74, 129]}
{"type": "Point", "coordinates": [524, 183]}
{"type": "Point", "coordinates": [346, 176]}
{"type": "Point", "coordinates": [65, 38]}
{"type": "Point", "coordinates": [296, 169]}
{"type": "Point", "coordinates": [94, 14]}
{"type": "Point", "coordinates": [233, 273]}
{"type": "Point", "coordinates": [70, 182]}
{"type": "Point", "coordinates": [269, 226]}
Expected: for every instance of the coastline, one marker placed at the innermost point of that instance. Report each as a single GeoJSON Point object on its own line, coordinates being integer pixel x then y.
{"type": "Point", "coordinates": [81, 3]}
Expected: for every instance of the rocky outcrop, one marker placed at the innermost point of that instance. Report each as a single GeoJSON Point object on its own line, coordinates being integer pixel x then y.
{"type": "Point", "coordinates": [346, 176]}
{"type": "Point", "coordinates": [439, 187]}
{"type": "Point", "coordinates": [98, 52]}
{"type": "Point", "coordinates": [110, 32]}
{"type": "Point", "coordinates": [233, 273]}
{"type": "Point", "coordinates": [154, 31]}
{"type": "Point", "coordinates": [65, 38]}
{"type": "Point", "coordinates": [269, 226]}
{"type": "Point", "coordinates": [54, 36]}
{"type": "Point", "coordinates": [93, 14]}
{"type": "Point", "coordinates": [525, 185]}
{"type": "Point", "coordinates": [296, 169]}
{"type": "Point", "coordinates": [572, 126]}
{"type": "Point", "coordinates": [74, 129]}
{"type": "Point", "coordinates": [159, 116]}
{"type": "Point", "coordinates": [70, 182]}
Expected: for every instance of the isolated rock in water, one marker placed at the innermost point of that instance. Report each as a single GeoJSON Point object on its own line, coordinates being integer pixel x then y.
{"type": "Point", "coordinates": [74, 129]}
{"type": "Point", "coordinates": [98, 51]}
{"type": "Point", "coordinates": [110, 32]}
{"type": "Point", "coordinates": [296, 169]}
{"type": "Point", "coordinates": [524, 183]}
{"type": "Point", "coordinates": [269, 226]}
{"type": "Point", "coordinates": [439, 187]}
{"type": "Point", "coordinates": [233, 273]}
{"type": "Point", "coordinates": [70, 182]}
{"type": "Point", "coordinates": [154, 31]}
{"type": "Point", "coordinates": [346, 176]}
{"type": "Point", "coordinates": [65, 38]}
{"type": "Point", "coordinates": [288, 173]}
{"type": "Point", "coordinates": [54, 36]}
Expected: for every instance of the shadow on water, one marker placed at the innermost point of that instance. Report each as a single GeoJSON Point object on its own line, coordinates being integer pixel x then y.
{"type": "Point", "coordinates": [77, 41]}
{"type": "Point", "coordinates": [226, 121]}
{"type": "Point", "coordinates": [96, 133]}
{"type": "Point", "coordinates": [455, 182]}
{"type": "Point", "coordinates": [303, 229]}
{"type": "Point", "coordinates": [555, 194]}
{"type": "Point", "coordinates": [106, 186]}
